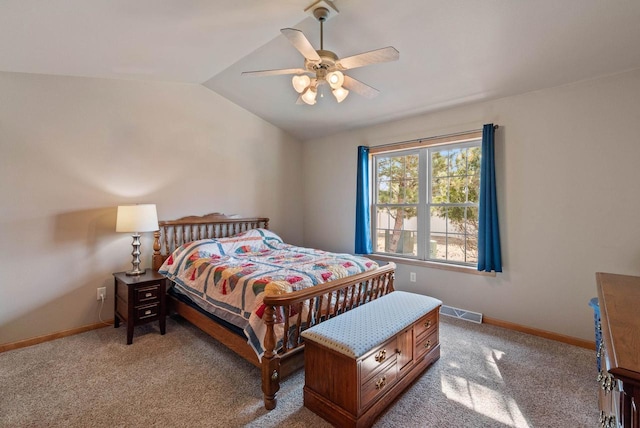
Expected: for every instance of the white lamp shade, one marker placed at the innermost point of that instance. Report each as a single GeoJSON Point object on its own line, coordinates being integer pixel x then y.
{"type": "Point", "coordinates": [300, 82]}
{"type": "Point", "coordinates": [309, 96]}
{"type": "Point", "coordinates": [137, 218]}
{"type": "Point", "coordinates": [335, 79]}
{"type": "Point", "coordinates": [340, 94]}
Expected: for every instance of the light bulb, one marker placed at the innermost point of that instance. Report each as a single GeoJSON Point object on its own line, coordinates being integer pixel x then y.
{"type": "Point", "coordinates": [335, 79]}
{"type": "Point", "coordinates": [300, 82]}
{"type": "Point", "coordinates": [309, 96]}
{"type": "Point", "coordinates": [340, 94]}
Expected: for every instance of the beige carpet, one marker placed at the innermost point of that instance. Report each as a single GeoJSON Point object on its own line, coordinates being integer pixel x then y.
{"type": "Point", "coordinates": [486, 377]}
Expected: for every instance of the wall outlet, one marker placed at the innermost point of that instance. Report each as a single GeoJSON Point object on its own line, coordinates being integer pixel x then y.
{"type": "Point", "coordinates": [412, 276]}
{"type": "Point", "coordinates": [102, 293]}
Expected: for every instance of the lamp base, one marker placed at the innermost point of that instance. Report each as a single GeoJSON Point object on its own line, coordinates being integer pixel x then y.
{"type": "Point", "coordinates": [135, 272]}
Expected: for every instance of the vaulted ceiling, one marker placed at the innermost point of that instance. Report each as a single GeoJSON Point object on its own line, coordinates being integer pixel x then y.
{"type": "Point", "coordinates": [451, 52]}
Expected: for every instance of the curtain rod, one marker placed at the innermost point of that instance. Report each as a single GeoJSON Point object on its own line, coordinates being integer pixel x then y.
{"type": "Point", "coordinates": [433, 138]}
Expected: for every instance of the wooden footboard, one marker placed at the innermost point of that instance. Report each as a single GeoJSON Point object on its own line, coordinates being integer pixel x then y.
{"type": "Point", "coordinates": [297, 311]}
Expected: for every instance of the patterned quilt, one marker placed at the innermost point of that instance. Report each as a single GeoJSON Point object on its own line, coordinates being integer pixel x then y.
{"type": "Point", "coordinates": [230, 276]}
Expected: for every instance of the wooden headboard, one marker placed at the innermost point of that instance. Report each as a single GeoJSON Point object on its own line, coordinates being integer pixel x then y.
{"type": "Point", "coordinates": [174, 233]}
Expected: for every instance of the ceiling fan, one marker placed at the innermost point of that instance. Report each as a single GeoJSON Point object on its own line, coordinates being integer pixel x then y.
{"type": "Point", "coordinates": [325, 67]}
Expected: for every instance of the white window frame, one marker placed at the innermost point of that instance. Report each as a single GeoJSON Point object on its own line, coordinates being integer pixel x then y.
{"type": "Point", "coordinates": [423, 148]}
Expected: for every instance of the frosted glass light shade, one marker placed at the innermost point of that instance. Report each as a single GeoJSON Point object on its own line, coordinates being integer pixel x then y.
{"type": "Point", "coordinates": [300, 82]}
{"type": "Point", "coordinates": [137, 218]}
{"type": "Point", "coordinates": [340, 94]}
{"type": "Point", "coordinates": [335, 79]}
{"type": "Point", "coordinates": [309, 96]}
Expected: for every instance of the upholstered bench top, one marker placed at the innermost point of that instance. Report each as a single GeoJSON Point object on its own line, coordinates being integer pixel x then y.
{"type": "Point", "coordinates": [361, 329]}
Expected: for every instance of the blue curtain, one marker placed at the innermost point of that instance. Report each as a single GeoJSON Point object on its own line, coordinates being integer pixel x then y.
{"type": "Point", "coordinates": [489, 258]}
{"type": "Point", "coordinates": [363, 216]}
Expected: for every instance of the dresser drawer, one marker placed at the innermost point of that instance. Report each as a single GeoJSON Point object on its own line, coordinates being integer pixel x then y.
{"type": "Point", "coordinates": [426, 343]}
{"type": "Point", "coordinates": [377, 385]}
{"type": "Point", "coordinates": [148, 294]}
{"type": "Point", "coordinates": [147, 312]}
{"type": "Point", "coordinates": [379, 358]}
{"type": "Point", "coordinates": [426, 324]}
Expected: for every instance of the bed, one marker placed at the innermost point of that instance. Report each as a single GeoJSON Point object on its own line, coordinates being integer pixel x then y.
{"type": "Point", "coordinates": [184, 247]}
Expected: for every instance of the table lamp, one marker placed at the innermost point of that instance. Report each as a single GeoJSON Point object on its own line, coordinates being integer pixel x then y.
{"type": "Point", "coordinates": [136, 219]}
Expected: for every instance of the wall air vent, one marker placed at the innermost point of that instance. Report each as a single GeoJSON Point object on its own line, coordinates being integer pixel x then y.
{"type": "Point", "coordinates": [461, 314]}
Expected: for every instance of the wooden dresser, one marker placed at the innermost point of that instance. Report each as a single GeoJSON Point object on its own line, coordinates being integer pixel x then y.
{"type": "Point", "coordinates": [619, 392]}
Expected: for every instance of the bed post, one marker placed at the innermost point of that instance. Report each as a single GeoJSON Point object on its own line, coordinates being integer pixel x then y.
{"type": "Point", "coordinates": [270, 362]}
{"type": "Point", "coordinates": [157, 257]}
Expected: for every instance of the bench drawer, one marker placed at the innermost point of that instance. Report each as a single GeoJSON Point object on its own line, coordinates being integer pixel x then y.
{"type": "Point", "coordinates": [379, 358]}
{"type": "Point", "coordinates": [377, 385]}
{"type": "Point", "coordinates": [426, 343]}
{"type": "Point", "coordinates": [426, 324]}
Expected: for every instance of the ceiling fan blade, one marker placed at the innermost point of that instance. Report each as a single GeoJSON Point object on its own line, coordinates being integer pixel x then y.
{"type": "Point", "coordinates": [372, 57]}
{"type": "Point", "coordinates": [359, 88]}
{"type": "Point", "coordinates": [275, 72]}
{"type": "Point", "coordinates": [300, 42]}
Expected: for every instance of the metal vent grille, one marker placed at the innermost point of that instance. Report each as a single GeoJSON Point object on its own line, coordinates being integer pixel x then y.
{"type": "Point", "coordinates": [461, 314]}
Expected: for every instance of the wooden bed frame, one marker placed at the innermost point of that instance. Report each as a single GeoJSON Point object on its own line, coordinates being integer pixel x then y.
{"type": "Point", "coordinates": [327, 300]}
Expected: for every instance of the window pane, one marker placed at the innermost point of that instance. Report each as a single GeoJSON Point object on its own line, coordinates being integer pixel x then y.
{"type": "Point", "coordinates": [397, 230]}
{"type": "Point", "coordinates": [473, 188]}
{"type": "Point", "coordinates": [458, 189]}
{"type": "Point", "coordinates": [397, 180]}
{"type": "Point", "coordinates": [458, 162]}
{"type": "Point", "coordinates": [473, 160]}
{"type": "Point", "coordinates": [472, 221]}
{"type": "Point", "coordinates": [455, 247]}
{"type": "Point", "coordinates": [440, 190]}
{"type": "Point", "coordinates": [472, 249]}
{"type": "Point", "coordinates": [439, 163]}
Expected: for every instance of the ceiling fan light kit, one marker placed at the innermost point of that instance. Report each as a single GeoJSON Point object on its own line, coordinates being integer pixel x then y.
{"type": "Point", "coordinates": [324, 65]}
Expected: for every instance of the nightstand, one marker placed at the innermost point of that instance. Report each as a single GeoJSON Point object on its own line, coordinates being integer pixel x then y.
{"type": "Point", "coordinates": [138, 300]}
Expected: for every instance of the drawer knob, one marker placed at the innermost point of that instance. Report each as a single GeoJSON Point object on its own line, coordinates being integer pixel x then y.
{"type": "Point", "coordinates": [381, 356]}
{"type": "Point", "coordinates": [427, 345]}
{"type": "Point", "coordinates": [148, 295]}
{"type": "Point", "coordinates": [147, 312]}
{"type": "Point", "coordinates": [427, 324]}
{"type": "Point", "coordinates": [380, 383]}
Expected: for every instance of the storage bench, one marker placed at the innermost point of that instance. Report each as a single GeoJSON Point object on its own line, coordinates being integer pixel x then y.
{"type": "Point", "coordinates": [357, 363]}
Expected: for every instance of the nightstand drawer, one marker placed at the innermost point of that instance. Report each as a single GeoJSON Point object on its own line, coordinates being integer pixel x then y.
{"type": "Point", "coordinates": [147, 312]}
{"type": "Point", "coordinates": [147, 294]}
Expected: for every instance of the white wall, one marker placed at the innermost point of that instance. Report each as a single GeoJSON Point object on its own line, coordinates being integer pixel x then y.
{"type": "Point", "coordinates": [72, 149]}
{"type": "Point", "coordinates": [568, 177]}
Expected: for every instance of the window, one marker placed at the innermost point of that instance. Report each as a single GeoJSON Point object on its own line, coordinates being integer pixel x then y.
{"type": "Point", "coordinates": [425, 200]}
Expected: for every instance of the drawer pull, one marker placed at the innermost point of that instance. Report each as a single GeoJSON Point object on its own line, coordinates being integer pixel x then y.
{"type": "Point", "coordinates": [380, 383]}
{"type": "Point", "coordinates": [606, 381]}
{"type": "Point", "coordinates": [427, 345]}
{"type": "Point", "coordinates": [147, 312]}
{"type": "Point", "coordinates": [148, 295]}
{"type": "Point", "coordinates": [381, 356]}
{"type": "Point", "coordinates": [427, 324]}
{"type": "Point", "coordinates": [607, 421]}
